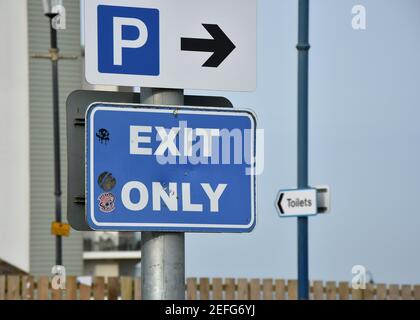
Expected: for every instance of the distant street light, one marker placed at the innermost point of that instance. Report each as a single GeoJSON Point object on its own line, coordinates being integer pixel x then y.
{"type": "Point", "coordinates": [49, 5]}
{"type": "Point", "coordinates": [56, 13]}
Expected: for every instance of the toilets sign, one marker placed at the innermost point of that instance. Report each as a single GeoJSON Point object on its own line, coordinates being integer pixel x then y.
{"type": "Point", "coordinates": [163, 168]}
{"type": "Point", "coordinates": [185, 44]}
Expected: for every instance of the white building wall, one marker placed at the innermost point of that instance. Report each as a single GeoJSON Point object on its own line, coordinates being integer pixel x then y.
{"type": "Point", "coordinates": [14, 134]}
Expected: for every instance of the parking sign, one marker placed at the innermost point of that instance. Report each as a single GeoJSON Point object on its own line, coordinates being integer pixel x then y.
{"type": "Point", "coordinates": [187, 44]}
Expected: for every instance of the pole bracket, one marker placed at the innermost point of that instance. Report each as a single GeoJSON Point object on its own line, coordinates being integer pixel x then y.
{"type": "Point", "coordinates": [54, 55]}
{"type": "Point", "coordinates": [303, 46]}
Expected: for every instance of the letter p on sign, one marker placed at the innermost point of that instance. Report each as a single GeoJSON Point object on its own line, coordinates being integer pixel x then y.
{"type": "Point", "coordinates": [128, 40]}
{"type": "Point", "coordinates": [120, 43]}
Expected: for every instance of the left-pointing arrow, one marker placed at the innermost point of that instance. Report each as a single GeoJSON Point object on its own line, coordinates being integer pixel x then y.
{"type": "Point", "coordinates": [279, 203]}
{"type": "Point", "coordinates": [220, 45]}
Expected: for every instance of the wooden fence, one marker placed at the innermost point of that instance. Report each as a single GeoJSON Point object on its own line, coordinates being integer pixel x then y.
{"type": "Point", "coordinates": [128, 288]}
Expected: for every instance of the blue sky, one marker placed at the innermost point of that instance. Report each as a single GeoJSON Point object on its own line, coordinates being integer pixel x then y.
{"type": "Point", "coordinates": [364, 112]}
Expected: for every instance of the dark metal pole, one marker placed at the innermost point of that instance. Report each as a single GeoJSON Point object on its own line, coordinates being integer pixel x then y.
{"type": "Point", "coordinates": [56, 122]}
{"type": "Point", "coordinates": [303, 55]}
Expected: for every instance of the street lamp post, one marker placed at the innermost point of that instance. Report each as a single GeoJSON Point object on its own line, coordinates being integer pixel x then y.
{"type": "Point", "coordinates": [55, 12]}
{"type": "Point", "coordinates": [49, 12]}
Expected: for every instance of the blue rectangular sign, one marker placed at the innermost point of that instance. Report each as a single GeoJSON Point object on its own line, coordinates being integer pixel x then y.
{"type": "Point", "coordinates": [161, 168]}
{"type": "Point", "coordinates": [127, 37]}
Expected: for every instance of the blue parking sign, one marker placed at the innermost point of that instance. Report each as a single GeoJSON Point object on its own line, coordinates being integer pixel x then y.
{"type": "Point", "coordinates": [164, 168]}
{"type": "Point", "coordinates": [128, 40]}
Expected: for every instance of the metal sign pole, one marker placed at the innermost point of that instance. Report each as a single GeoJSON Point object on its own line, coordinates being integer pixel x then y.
{"type": "Point", "coordinates": [303, 55]}
{"type": "Point", "coordinates": [163, 253]}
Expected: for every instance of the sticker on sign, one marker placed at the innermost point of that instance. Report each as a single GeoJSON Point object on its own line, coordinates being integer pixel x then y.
{"type": "Point", "coordinates": [162, 168]}
{"type": "Point", "coordinates": [186, 44]}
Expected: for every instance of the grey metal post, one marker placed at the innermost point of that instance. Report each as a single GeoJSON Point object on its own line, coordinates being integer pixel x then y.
{"type": "Point", "coordinates": [303, 57]}
{"type": "Point", "coordinates": [162, 253]}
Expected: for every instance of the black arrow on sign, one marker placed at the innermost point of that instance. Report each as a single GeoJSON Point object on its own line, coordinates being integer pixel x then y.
{"type": "Point", "coordinates": [279, 203]}
{"type": "Point", "coordinates": [220, 45]}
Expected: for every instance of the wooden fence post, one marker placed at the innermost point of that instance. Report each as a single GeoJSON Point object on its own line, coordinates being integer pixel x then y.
{"type": "Point", "coordinates": [292, 289]}
{"type": "Point", "coordinates": [356, 294]}
{"type": "Point", "coordinates": [191, 289]}
{"type": "Point", "coordinates": [84, 291]}
{"type": "Point", "coordinates": [331, 290]}
{"type": "Point", "coordinates": [343, 291]}
{"type": "Point", "coordinates": [204, 289]}
{"type": "Point", "coordinates": [126, 288]}
{"type": "Point", "coordinates": [417, 292]}
{"type": "Point", "coordinates": [217, 289]}
{"type": "Point", "coordinates": [318, 290]}
{"type": "Point", "coordinates": [243, 289]}
{"type": "Point", "coordinates": [406, 292]}
{"type": "Point", "coordinates": [13, 287]}
{"type": "Point", "coordinates": [27, 288]}
{"type": "Point", "coordinates": [268, 289]}
{"type": "Point", "coordinates": [394, 292]}
{"type": "Point", "coordinates": [56, 294]}
{"type": "Point", "coordinates": [381, 291]}
{"type": "Point", "coordinates": [43, 288]}
{"type": "Point", "coordinates": [113, 288]}
{"type": "Point", "coordinates": [2, 287]}
{"type": "Point", "coordinates": [369, 292]}
{"type": "Point", "coordinates": [137, 288]}
{"type": "Point", "coordinates": [230, 288]}
{"type": "Point", "coordinates": [71, 288]}
{"type": "Point", "coordinates": [255, 289]}
{"type": "Point", "coordinates": [99, 288]}
{"type": "Point", "coordinates": [280, 289]}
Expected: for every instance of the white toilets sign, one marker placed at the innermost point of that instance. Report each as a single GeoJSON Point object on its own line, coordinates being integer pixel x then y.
{"type": "Point", "coordinates": [170, 169]}
{"type": "Point", "coordinates": [186, 44]}
{"type": "Point", "coordinates": [297, 203]}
